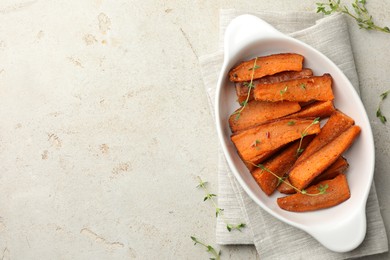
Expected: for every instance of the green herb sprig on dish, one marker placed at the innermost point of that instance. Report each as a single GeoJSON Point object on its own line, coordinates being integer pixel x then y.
{"type": "Point", "coordinates": [321, 188]}
{"type": "Point", "coordinates": [250, 86]}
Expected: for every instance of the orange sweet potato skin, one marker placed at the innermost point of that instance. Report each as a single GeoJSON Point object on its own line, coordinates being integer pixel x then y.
{"type": "Point", "coordinates": [257, 112]}
{"type": "Point", "coordinates": [279, 165]}
{"type": "Point", "coordinates": [321, 109]}
{"type": "Point", "coordinates": [337, 123]}
{"type": "Point", "coordinates": [304, 172]}
{"type": "Point", "coordinates": [268, 65]}
{"type": "Point", "coordinates": [336, 193]}
{"type": "Point", "coordinates": [300, 90]}
{"type": "Point", "coordinates": [285, 188]}
{"type": "Point", "coordinates": [270, 136]}
{"type": "Point", "coordinates": [242, 87]}
{"type": "Point", "coordinates": [251, 165]}
{"type": "Point", "coordinates": [339, 166]}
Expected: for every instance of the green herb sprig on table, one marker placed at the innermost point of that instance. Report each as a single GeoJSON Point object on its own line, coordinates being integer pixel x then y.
{"type": "Point", "coordinates": [360, 14]}
{"type": "Point", "coordinates": [218, 211]}
{"type": "Point", "coordinates": [379, 114]}
{"type": "Point", "coordinates": [210, 249]}
{"type": "Point", "coordinates": [250, 86]}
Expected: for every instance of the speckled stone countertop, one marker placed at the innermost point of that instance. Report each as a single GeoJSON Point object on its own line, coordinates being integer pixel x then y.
{"type": "Point", "coordinates": [105, 125]}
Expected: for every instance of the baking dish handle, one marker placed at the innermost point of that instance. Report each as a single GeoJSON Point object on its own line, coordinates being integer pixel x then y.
{"type": "Point", "coordinates": [244, 30]}
{"type": "Point", "coordinates": [342, 237]}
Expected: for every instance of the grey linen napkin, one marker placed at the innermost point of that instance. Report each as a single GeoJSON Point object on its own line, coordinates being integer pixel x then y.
{"type": "Point", "coordinates": [272, 238]}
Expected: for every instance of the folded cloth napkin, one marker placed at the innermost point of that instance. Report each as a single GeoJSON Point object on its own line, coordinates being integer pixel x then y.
{"type": "Point", "coordinates": [272, 238]}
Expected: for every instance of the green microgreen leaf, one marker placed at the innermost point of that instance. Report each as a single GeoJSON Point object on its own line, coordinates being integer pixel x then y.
{"type": "Point", "coordinates": [216, 255]}
{"type": "Point", "coordinates": [229, 227]}
{"type": "Point", "coordinates": [243, 103]}
{"type": "Point", "coordinates": [379, 113]}
{"type": "Point", "coordinates": [238, 227]}
{"type": "Point", "coordinates": [381, 117]}
{"type": "Point", "coordinates": [255, 144]}
{"type": "Point", "coordinates": [248, 84]}
{"type": "Point", "coordinates": [218, 211]}
{"type": "Point", "coordinates": [290, 123]}
{"type": "Point", "coordinates": [283, 91]}
{"type": "Point", "coordinates": [322, 188]}
{"type": "Point", "coordinates": [255, 67]}
{"type": "Point", "coordinates": [280, 180]}
{"type": "Point", "coordinates": [209, 196]}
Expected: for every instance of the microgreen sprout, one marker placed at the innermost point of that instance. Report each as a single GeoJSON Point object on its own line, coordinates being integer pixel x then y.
{"type": "Point", "coordinates": [379, 113]}
{"type": "Point", "coordinates": [216, 255]}
{"type": "Point", "coordinates": [218, 211]}
{"type": "Point", "coordinates": [283, 91]}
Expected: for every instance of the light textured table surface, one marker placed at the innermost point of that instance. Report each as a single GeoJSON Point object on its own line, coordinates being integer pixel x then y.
{"type": "Point", "coordinates": [105, 125]}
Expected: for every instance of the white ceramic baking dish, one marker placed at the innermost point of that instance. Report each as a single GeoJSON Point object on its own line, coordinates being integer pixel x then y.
{"type": "Point", "coordinates": [341, 228]}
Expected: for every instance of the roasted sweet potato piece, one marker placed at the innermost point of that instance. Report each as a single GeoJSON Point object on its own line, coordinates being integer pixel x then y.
{"type": "Point", "coordinates": [320, 109]}
{"type": "Point", "coordinates": [251, 165]}
{"type": "Point", "coordinates": [242, 87]}
{"type": "Point", "coordinates": [279, 165]}
{"type": "Point", "coordinates": [266, 65]}
{"type": "Point", "coordinates": [285, 188]}
{"type": "Point", "coordinates": [303, 173]}
{"type": "Point", "coordinates": [300, 90]}
{"type": "Point", "coordinates": [339, 166]}
{"type": "Point", "coordinates": [336, 193]}
{"type": "Point", "coordinates": [337, 123]}
{"type": "Point", "coordinates": [270, 136]}
{"type": "Point", "coordinates": [257, 112]}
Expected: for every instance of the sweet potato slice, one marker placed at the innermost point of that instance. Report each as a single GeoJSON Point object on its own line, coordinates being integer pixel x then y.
{"type": "Point", "coordinates": [300, 90]}
{"type": "Point", "coordinates": [320, 109]}
{"type": "Point", "coordinates": [270, 136]}
{"type": "Point", "coordinates": [285, 187]}
{"type": "Point", "coordinates": [251, 165]}
{"type": "Point", "coordinates": [266, 65]}
{"type": "Point", "coordinates": [257, 112]}
{"type": "Point", "coordinates": [337, 123]}
{"type": "Point", "coordinates": [336, 193]}
{"type": "Point", "coordinates": [303, 173]}
{"type": "Point", "coordinates": [242, 87]}
{"type": "Point", "coordinates": [279, 165]}
{"type": "Point", "coordinates": [339, 166]}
